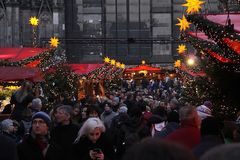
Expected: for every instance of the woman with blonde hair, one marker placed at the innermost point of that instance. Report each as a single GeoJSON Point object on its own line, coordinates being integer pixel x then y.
{"type": "Point", "coordinates": [21, 99]}
{"type": "Point", "coordinates": [91, 142]}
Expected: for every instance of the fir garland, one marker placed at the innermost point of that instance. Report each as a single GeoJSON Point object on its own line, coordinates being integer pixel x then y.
{"type": "Point", "coordinates": [217, 33]}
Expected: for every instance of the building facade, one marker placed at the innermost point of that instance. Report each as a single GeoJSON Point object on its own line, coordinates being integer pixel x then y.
{"type": "Point", "coordinates": [126, 30]}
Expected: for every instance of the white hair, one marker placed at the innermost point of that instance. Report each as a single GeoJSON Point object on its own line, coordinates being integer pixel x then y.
{"type": "Point", "coordinates": [89, 125]}
{"type": "Point", "coordinates": [37, 103]}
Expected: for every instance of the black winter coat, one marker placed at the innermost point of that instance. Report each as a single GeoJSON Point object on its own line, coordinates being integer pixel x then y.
{"type": "Point", "coordinates": [64, 136]}
{"type": "Point", "coordinates": [29, 150]}
{"type": "Point", "coordinates": [8, 148]}
{"type": "Point", "coordinates": [82, 148]}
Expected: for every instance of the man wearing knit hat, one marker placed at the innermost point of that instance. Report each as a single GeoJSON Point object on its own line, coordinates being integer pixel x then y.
{"type": "Point", "coordinates": [37, 145]}
{"type": "Point", "coordinates": [204, 110]}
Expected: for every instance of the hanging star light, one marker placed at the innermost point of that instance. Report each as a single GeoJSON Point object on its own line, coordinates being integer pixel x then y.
{"type": "Point", "coordinates": [122, 66]}
{"type": "Point", "coordinates": [33, 21]}
{"type": "Point", "coordinates": [118, 64]}
{"type": "Point", "coordinates": [54, 42]}
{"type": "Point", "coordinates": [181, 48]}
{"type": "Point", "coordinates": [183, 23]}
{"type": "Point", "coordinates": [113, 61]}
{"type": "Point", "coordinates": [107, 60]}
{"type": "Point", "coordinates": [177, 63]}
{"type": "Point", "coordinates": [193, 6]}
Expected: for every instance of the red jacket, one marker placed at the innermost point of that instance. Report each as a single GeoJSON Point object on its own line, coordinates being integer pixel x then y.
{"type": "Point", "coordinates": [188, 134]}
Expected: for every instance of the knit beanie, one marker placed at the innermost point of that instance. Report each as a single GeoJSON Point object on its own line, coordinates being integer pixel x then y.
{"type": "Point", "coordinates": [203, 111]}
{"type": "Point", "coordinates": [42, 115]}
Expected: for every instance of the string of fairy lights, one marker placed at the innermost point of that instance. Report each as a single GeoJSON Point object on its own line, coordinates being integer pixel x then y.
{"type": "Point", "coordinates": [110, 70]}
{"type": "Point", "coordinates": [220, 50]}
{"type": "Point", "coordinates": [219, 59]}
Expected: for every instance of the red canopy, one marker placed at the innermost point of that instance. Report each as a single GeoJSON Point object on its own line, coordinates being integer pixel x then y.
{"type": "Point", "coordinates": [17, 54]}
{"type": "Point", "coordinates": [222, 19]}
{"type": "Point", "coordinates": [84, 68]}
{"type": "Point", "coordinates": [143, 67]}
{"type": "Point", "coordinates": [200, 35]}
{"type": "Point", "coordinates": [20, 73]}
{"type": "Point", "coordinates": [200, 74]}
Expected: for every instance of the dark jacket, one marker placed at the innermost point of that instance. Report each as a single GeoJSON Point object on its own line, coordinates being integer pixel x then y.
{"type": "Point", "coordinates": [64, 136]}
{"type": "Point", "coordinates": [82, 148]}
{"type": "Point", "coordinates": [30, 150]}
{"type": "Point", "coordinates": [8, 148]}
{"type": "Point", "coordinates": [20, 106]}
{"type": "Point", "coordinates": [207, 142]}
{"type": "Point", "coordinates": [169, 128]}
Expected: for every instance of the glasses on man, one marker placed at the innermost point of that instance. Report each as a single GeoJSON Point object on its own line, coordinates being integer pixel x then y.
{"type": "Point", "coordinates": [40, 122]}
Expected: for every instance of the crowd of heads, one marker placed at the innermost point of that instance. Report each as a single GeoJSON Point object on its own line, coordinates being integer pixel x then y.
{"type": "Point", "coordinates": [152, 108]}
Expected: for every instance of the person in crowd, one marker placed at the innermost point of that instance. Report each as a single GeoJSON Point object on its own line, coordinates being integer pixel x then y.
{"type": "Point", "coordinates": [76, 118]}
{"type": "Point", "coordinates": [229, 131]}
{"type": "Point", "coordinates": [65, 132]}
{"type": "Point", "coordinates": [154, 148]}
{"type": "Point", "coordinates": [21, 100]}
{"type": "Point", "coordinates": [25, 123]}
{"type": "Point", "coordinates": [91, 142]}
{"type": "Point", "coordinates": [36, 105]}
{"type": "Point", "coordinates": [7, 129]}
{"type": "Point", "coordinates": [83, 114]}
{"type": "Point", "coordinates": [66, 99]}
{"type": "Point", "coordinates": [8, 148]}
{"type": "Point", "coordinates": [131, 131]}
{"type": "Point", "coordinates": [174, 105]}
{"type": "Point", "coordinates": [38, 93]}
{"type": "Point", "coordinates": [188, 134]}
{"type": "Point", "coordinates": [223, 152]}
{"type": "Point", "coordinates": [172, 125]}
{"type": "Point", "coordinates": [204, 110]}
{"type": "Point", "coordinates": [211, 136]}
{"type": "Point", "coordinates": [93, 111]}
{"type": "Point", "coordinates": [107, 115]}
{"type": "Point", "coordinates": [37, 146]}
{"type": "Point", "coordinates": [115, 129]}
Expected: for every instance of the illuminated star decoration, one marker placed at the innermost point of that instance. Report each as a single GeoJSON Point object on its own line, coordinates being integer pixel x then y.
{"type": "Point", "coordinates": [118, 64]}
{"type": "Point", "coordinates": [183, 23]}
{"type": "Point", "coordinates": [181, 48]}
{"type": "Point", "coordinates": [122, 66]}
{"type": "Point", "coordinates": [107, 60]}
{"type": "Point", "coordinates": [54, 42]}
{"type": "Point", "coordinates": [193, 6]}
{"type": "Point", "coordinates": [33, 21]}
{"type": "Point", "coordinates": [113, 61]}
{"type": "Point", "coordinates": [177, 63]}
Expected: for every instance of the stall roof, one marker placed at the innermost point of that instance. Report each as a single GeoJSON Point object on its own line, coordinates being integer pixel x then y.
{"type": "Point", "coordinates": [222, 19]}
{"type": "Point", "coordinates": [17, 54]}
{"type": "Point", "coordinates": [19, 73]}
{"type": "Point", "coordinates": [82, 69]}
{"type": "Point", "coordinates": [142, 67]}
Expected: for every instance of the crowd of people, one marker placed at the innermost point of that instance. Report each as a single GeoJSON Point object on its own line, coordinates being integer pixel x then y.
{"type": "Point", "coordinates": [131, 122]}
